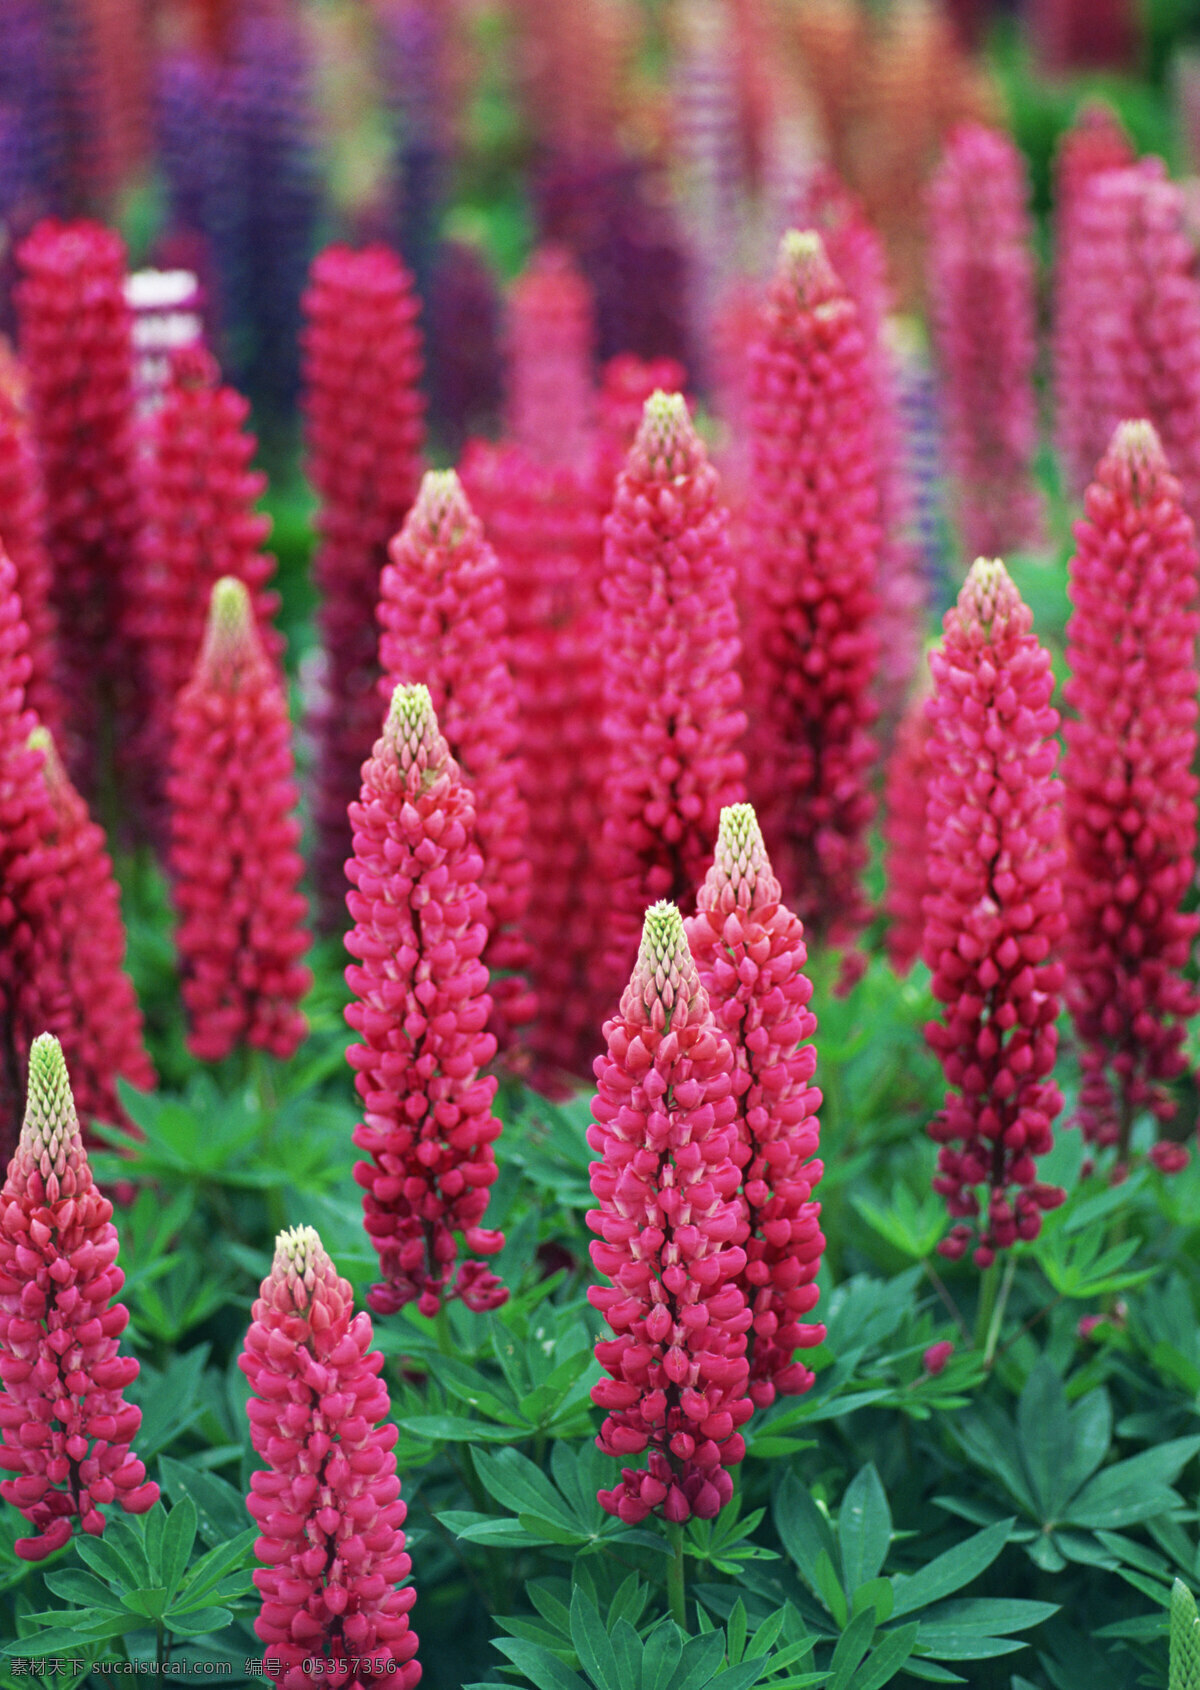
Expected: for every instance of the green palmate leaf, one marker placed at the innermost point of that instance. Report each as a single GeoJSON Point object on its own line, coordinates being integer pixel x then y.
{"type": "Point", "coordinates": [178, 1536]}
{"type": "Point", "coordinates": [220, 1510]}
{"type": "Point", "coordinates": [803, 1529]}
{"type": "Point", "coordinates": [886, 1659]}
{"type": "Point", "coordinates": [948, 1572]}
{"type": "Point", "coordinates": [699, 1662]}
{"type": "Point", "coordinates": [1134, 1489]}
{"type": "Point", "coordinates": [84, 1589]}
{"type": "Point", "coordinates": [661, 1657]}
{"type": "Point", "coordinates": [1185, 1639]}
{"type": "Point", "coordinates": [864, 1528]}
{"type": "Point", "coordinates": [518, 1484]}
{"type": "Point", "coordinates": [198, 1622]}
{"type": "Point", "coordinates": [852, 1645]}
{"type": "Point", "coordinates": [209, 1571]}
{"type": "Point", "coordinates": [543, 1670]}
{"type": "Point", "coordinates": [1060, 1446]}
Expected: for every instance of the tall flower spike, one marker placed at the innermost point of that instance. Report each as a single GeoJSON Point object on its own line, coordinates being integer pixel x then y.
{"type": "Point", "coordinates": [65, 1427]}
{"type": "Point", "coordinates": [363, 431]}
{"type": "Point", "coordinates": [551, 401]}
{"type": "Point", "coordinates": [671, 690]}
{"type": "Point", "coordinates": [983, 288]}
{"type": "Point", "coordinates": [750, 953]}
{"type": "Point", "coordinates": [328, 1502]}
{"type": "Point", "coordinates": [814, 533]}
{"type": "Point", "coordinates": [668, 1223]}
{"type": "Point", "coordinates": [23, 532]}
{"type": "Point", "coordinates": [200, 524]}
{"type": "Point", "coordinates": [905, 845]}
{"type": "Point", "coordinates": [77, 346]}
{"type": "Point", "coordinates": [997, 913]}
{"type": "Point", "coordinates": [1130, 790]}
{"type": "Point", "coordinates": [422, 1007]}
{"type": "Point", "coordinates": [234, 863]}
{"type": "Point", "coordinates": [441, 611]}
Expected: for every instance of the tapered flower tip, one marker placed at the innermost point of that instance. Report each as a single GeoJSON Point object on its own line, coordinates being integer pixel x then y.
{"type": "Point", "coordinates": [988, 599]}
{"type": "Point", "coordinates": [667, 443]}
{"type": "Point", "coordinates": [1135, 462]}
{"type": "Point", "coordinates": [1185, 1639]}
{"type": "Point", "coordinates": [741, 857]}
{"type": "Point", "coordinates": [195, 368]}
{"type": "Point", "coordinates": [441, 512]}
{"type": "Point", "coordinates": [231, 643]}
{"type": "Point", "coordinates": [411, 730]}
{"type": "Point", "coordinates": [50, 1133]}
{"type": "Point", "coordinates": [64, 799]}
{"type": "Point", "coordinates": [664, 978]}
{"type": "Point", "coordinates": [300, 1262]}
{"type": "Point", "coordinates": [805, 271]}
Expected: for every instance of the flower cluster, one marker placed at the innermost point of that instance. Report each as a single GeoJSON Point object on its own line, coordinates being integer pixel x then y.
{"type": "Point", "coordinates": [667, 1224]}
{"type": "Point", "coordinates": [22, 531]}
{"type": "Point", "coordinates": [77, 347]}
{"type": "Point", "coordinates": [984, 310]}
{"type": "Point", "coordinates": [750, 953]}
{"type": "Point", "coordinates": [363, 437]}
{"type": "Point", "coordinates": [441, 611]}
{"type": "Point", "coordinates": [65, 1427]}
{"type": "Point", "coordinates": [551, 401]}
{"type": "Point", "coordinates": [199, 524]}
{"type": "Point", "coordinates": [905, 851]}
{"type": "Point", "coordinates": [670, 650]}
{"type": "Point", "coordinates": [328, 1502]}
{"type": "Point", "coordinates": [1130, 790]}
{"type": "Point", "coordinates": [626, 382]}
{"type": "Point", "coordinates": [996, 912]}
{"type": "Point", "coordinates": [815, 540]}
{"type": "Point", "coordinates": [422, 1007]}
{"type": "Point", "coordinates": [234, 863]}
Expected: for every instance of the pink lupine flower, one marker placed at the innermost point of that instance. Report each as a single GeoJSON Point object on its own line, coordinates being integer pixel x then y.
{"type": "Point", "coordinates": [234, 861]}
{"type": "Point", "coordinates": [328, 1501]}
{"type": "Point", "coordinates": [750, 953]}
{"type": "Point", "coordinates": [815, 539]}
{"type": "Point", "coordinates": [671, 690]}
{"type": "Point", "coordinates": [200, 524]}
{"type": "Point", "coordinates": [995, 916]}
{"type": "Point", "coordinates": [551, 396]}
{"type": "Point", "coordinates": [905, 846]}
{"type": "Point", "coordinates": [1134, 301]}
{"type": "Point", "coordinates": [983, 288]}
{"type": "Point", "coordinates": [441, 611]}
{"type": "Point", "coordinates": [936, 1357]}
{"type": "Point", "coordinates": [23, 533]}
{"type": "Point", "coordinates": [77, 349]}
{"type": "Point", "coordinates": [65, 1427]}
{"type": "Point", "coordinates": [422, 1008]}
{"type": "Point", "coordinates": [364, 430]}
{"type": "Point", "coordinates": [626, 382]}
{"type": "Point", "coordinates": [89, 999]}
{"type": "Point", "coordinates": [1130, 790]}
{"type": "Point", "coordinates": [668, 1226]}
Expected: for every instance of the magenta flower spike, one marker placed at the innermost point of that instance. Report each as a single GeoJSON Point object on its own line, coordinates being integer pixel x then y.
{"type": "Point", "coordinates": [668, 1228]}
{"type": "Point", "coordinates": [234, 860]}
{"type": "Point", "coordinates": [814, 540]}
{"type": "Point", "coordinates": [672, 696]}
{"type": "Point", "coordinates": [905, 835]}
{"type": "Point", "coordinates": [551, 411]}
{"type": "Point", "coordinates": [984, 313]}
{"type": "Point", "coordinates": [441, 612]}
{"type": "Point", "coordinates": [750, 953]}
{"type": "Point", "coordinates": [995, 915]}
{"type": "Point", "coordinates": [65, 1427]}
{"type": "Point", "coordinates": [422, 1008]}
{"type": "Point", "coordinates": [327, 1503]}
{"type": "Point", "coordinates": [1130, 790]}
{"type": "Point", "coordinates": [23, 534]}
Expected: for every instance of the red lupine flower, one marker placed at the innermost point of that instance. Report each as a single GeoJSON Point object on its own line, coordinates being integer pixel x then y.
{"type": "Point", "coordinates": [364, 429]}
{"type": "Point", "coordinates": [815, 539]}
{"type": "Point", "coordinates": [1134, 304]}
{"type": "Point", "coordinates": [89, 999]}
{"type": "Point", "coordinates": [626, 382]}
{"type": "Point", "coordinates": [936, 1357]}
{"type": "Point", "coordinates": [905, 845]}
{"type": "Point", "coordinates": [200, 525]}
{"type": "Point", "coordinates": [546, 527]}
{"type": "Point", "coordinates": [234, 863]}
{"type": "Point", "coordinates": [422, 1010]}
{"type": "Point", "coordinates": [77, 347]}
{"type": "Point", "coordinates": [551, 399]}
{"type": "Point", "coordinates": [995, 915]}
{"type": "Point", "coordinates": [750, 953]}
{"type": "Point", "coordinates": [671, 690]}
{"type": "Point", "coordinates": [984, 317]}
{"type": "Point", "coordinates": [1130, 790]}
{"type": "Point", "coordinates": [328, 1501]}
{"type": "Point", "coordinates": [441, 611]}
{"type": "Point", "coordinates": [65, 1427]}
{"type": "Point", "coordinates": [23, 533]}
{"type": "Point", "coordinates": [668, 1226]}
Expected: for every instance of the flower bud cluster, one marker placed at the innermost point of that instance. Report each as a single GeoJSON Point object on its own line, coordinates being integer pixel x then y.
{"type": "Point", "coordinates": [23, 533]}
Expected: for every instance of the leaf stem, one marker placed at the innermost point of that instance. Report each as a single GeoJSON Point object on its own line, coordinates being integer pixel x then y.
{"type": "Point", "coordinates": [676, 1583]}
{"type": "Point", "coordinates": [993, 1335]}
{"type": "Point", "coordinates": [988, 1288]}
{"type": "Point", "coordinates": [943, 1292]}
{"type": "Point", "coordinates": [441, 1324]}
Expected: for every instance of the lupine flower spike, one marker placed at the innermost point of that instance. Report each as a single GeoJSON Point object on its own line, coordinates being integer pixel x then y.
{"type": "Point", "coordinates": [23, 533]}
{"type": "Point", "coordinates": [997, 913]}
{"type": "Point", "coordinates": [328, 1501]}
{"type": "Point", "coordinates": [422, 1008]}
{"type": "Point", "coordinates": [1130, 790]}
{"type": "Point", "coordinates": [815, 535]}
{"type": "Point", "coordinates": [441, 611]}
{"type": "Point", "coordinates": [668, 1226]}
{"type": "Point", "coordinates": [905, 846]}
{"type": "Point", "coordinates": [672, 696]}
{"type": "Point", "coordinates": [234, 862]}
{"type": "Point", "coordinates": [65, 1427]}
{"type": "Point", "coordinates": [750, 953]}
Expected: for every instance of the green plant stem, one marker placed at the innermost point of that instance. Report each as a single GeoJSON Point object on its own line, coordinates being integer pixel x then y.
{"type": "Point", "coordinates": [988, 1290]}
{"type": "Point", "coordinates": [441, 1325]}
{"type": "Point", "coordinates": [943, 1292]}
{"type": "Point", "coordinates": [676, 1583]}
{"type": "Point", "coordinates": [997, 1320]}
